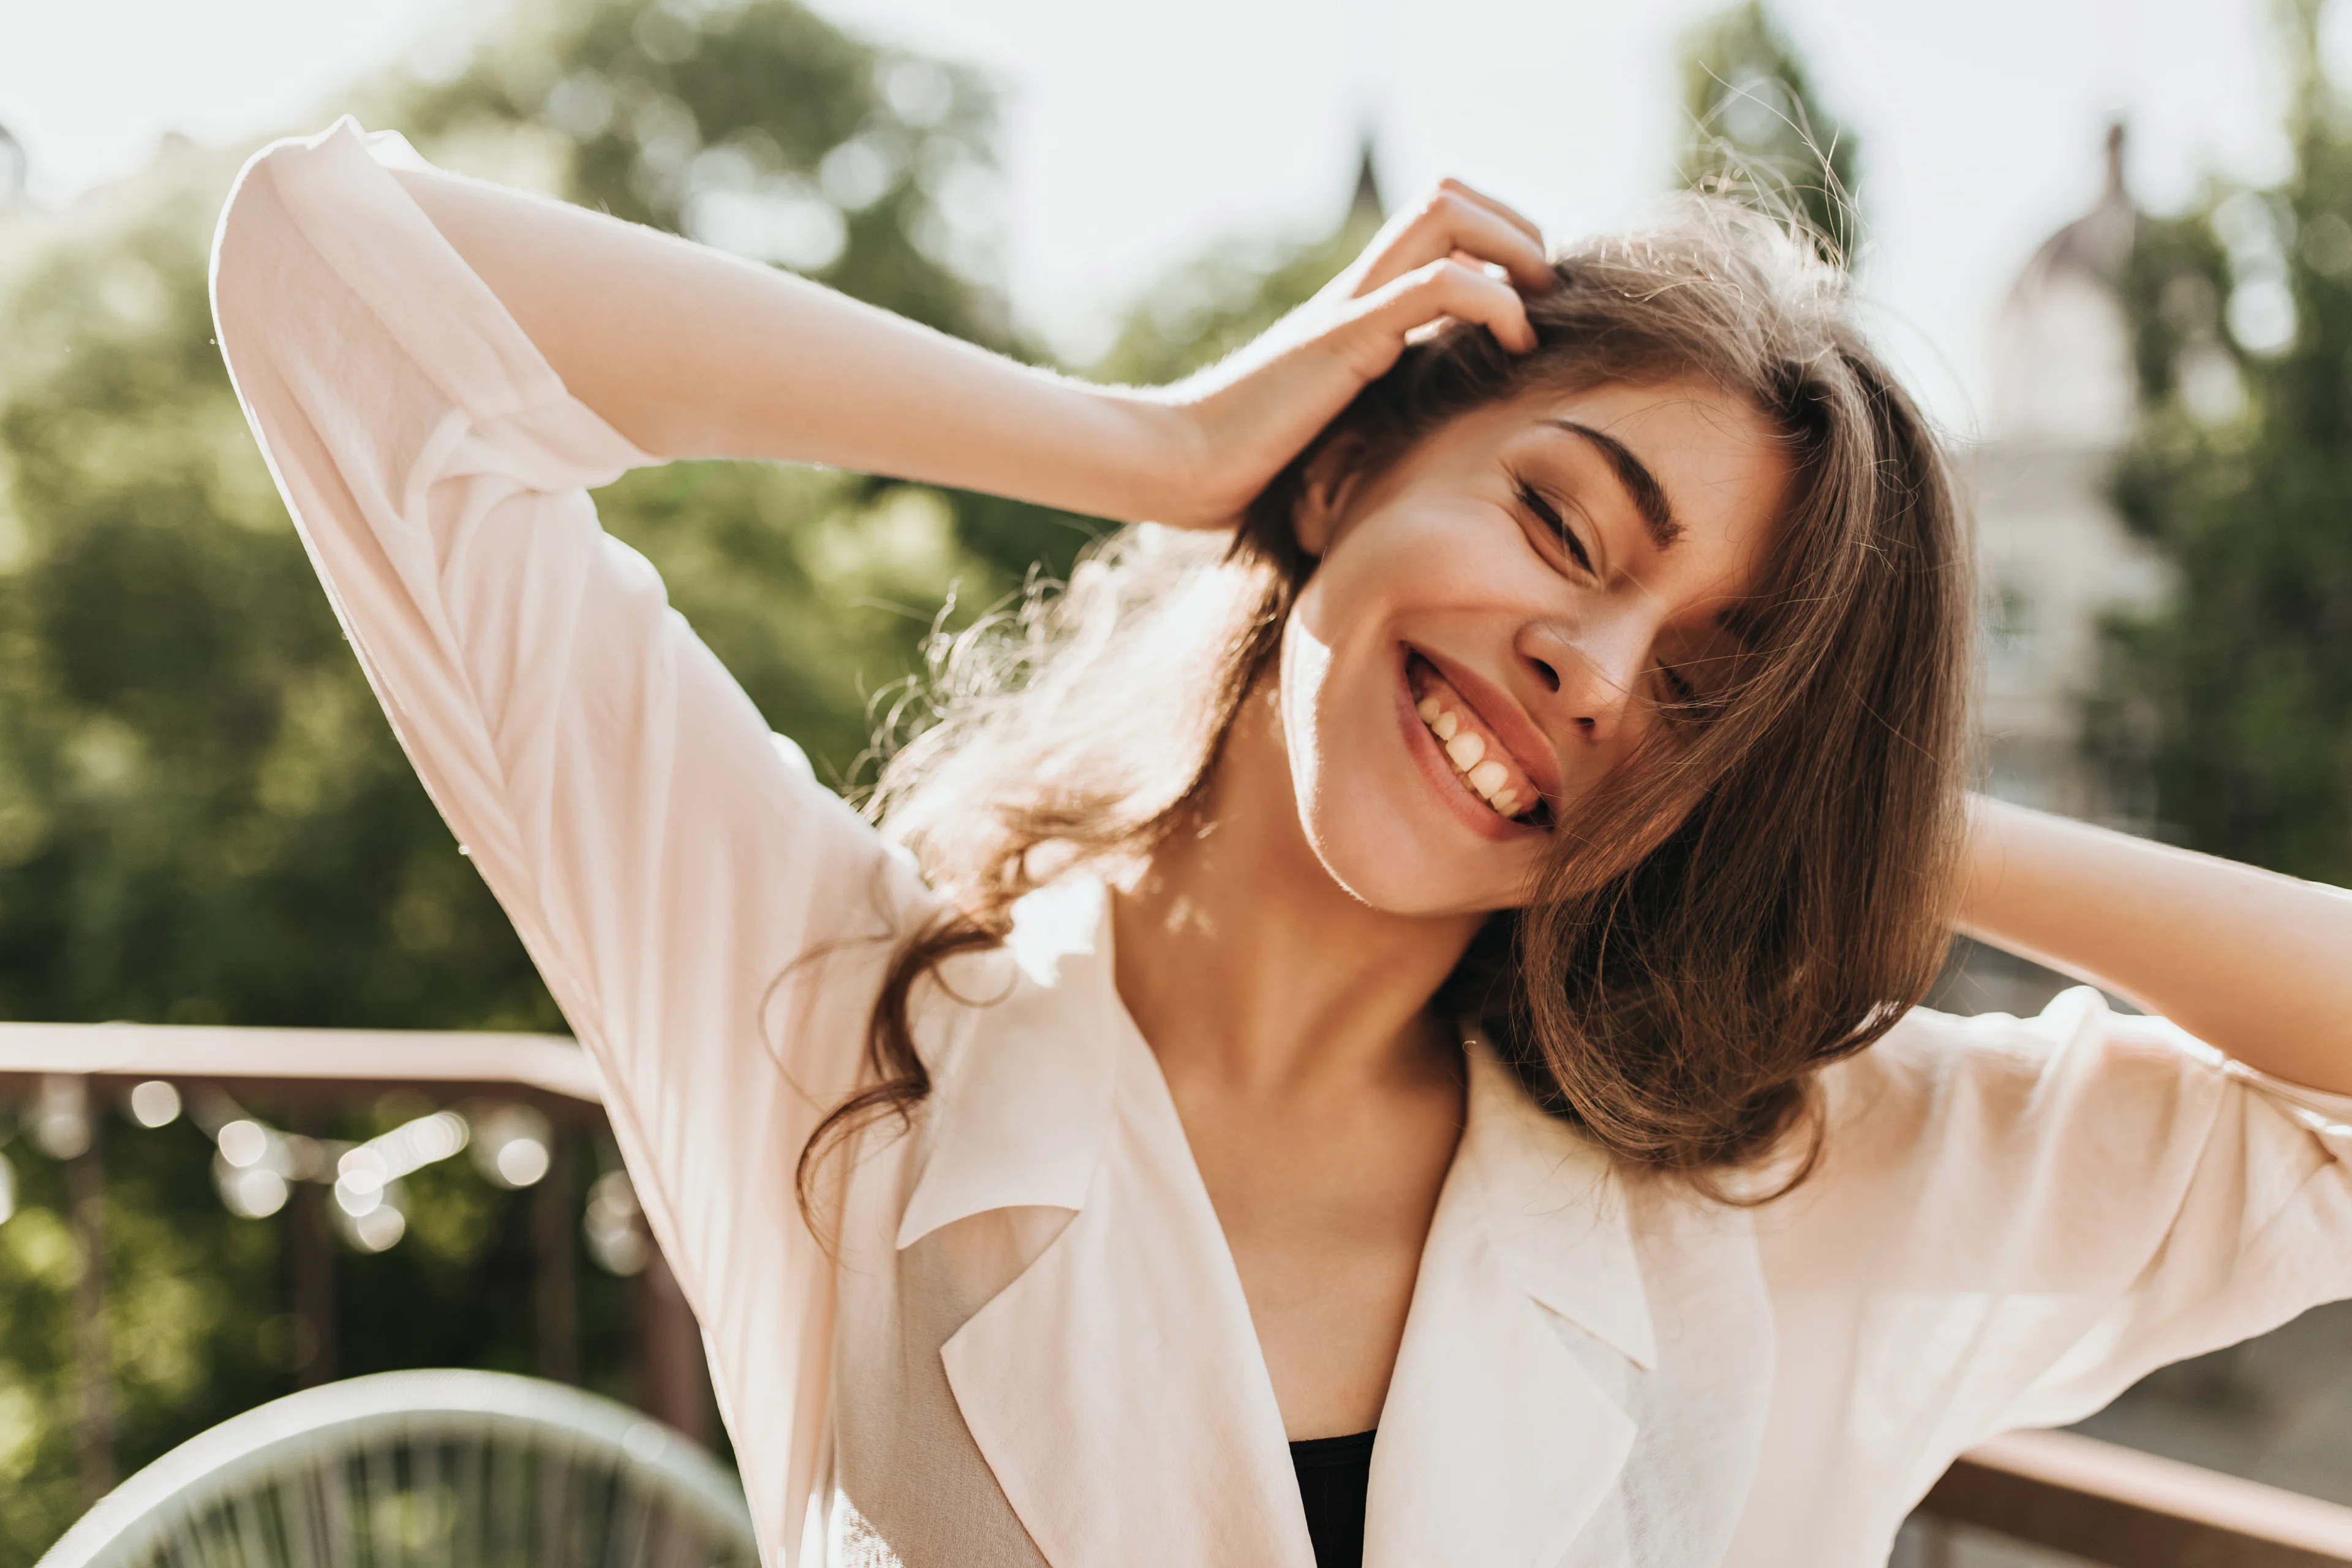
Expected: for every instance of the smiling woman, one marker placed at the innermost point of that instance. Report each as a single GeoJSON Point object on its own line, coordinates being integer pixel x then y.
{"type": "Point", "coordinates": [1643, 651]}
{"type": "Point", "coordinates": [1355, 938]}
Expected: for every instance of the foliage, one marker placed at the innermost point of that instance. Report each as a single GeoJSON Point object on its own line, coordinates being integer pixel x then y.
{"type": "Point", "coordinates": [1207, 308]}
{"type": "Point", "coordinates": [206, 819]}
{"type": "Point", "coordinates": [759, 127]}
{"type": "Point", "coordinates": [198, 1321]}
{"type": "Point", "coordinates": [184, 1354]}
{"type": "Point", "coordinates": [2234, 701]}
{"type": "Point", "coordinates": [1760, 134]}
{"type": "Point", "coordinates": [204, 816]}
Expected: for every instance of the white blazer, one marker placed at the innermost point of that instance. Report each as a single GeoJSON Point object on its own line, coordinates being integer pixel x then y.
{"type": "Point", "coordinates": [1030, 1345]}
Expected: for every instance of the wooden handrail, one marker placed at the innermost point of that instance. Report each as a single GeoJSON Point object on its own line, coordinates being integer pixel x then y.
{"type": "Point", "coordinates": [2115, 1505]}
{"type": "Point", "coordinates": [344, 1059]}
{"type": "Point", "coordinates": [285, 1067]}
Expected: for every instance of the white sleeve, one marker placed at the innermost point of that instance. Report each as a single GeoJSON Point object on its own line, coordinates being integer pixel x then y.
{"type": "Point", "coordinates": [709, 918]}
{"type": "Point", "coordinates": [2017, 1220]}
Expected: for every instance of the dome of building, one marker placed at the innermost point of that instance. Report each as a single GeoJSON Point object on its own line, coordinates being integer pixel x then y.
{"type": "Point", "coordinates": [2062, 372]}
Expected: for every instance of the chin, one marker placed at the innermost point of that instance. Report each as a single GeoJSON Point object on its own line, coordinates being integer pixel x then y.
{"type": "Point", "coordinates": [1392, 863]}
{"type": "Point", "coordinates": [1383, 812]}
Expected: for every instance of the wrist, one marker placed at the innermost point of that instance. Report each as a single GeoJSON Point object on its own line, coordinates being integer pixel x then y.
{"type": "Point", "coordinates": [1167, 472]}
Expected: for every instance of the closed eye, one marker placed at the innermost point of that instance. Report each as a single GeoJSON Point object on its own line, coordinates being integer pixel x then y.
{"type": "Point", "coordinates": [1549, 515]}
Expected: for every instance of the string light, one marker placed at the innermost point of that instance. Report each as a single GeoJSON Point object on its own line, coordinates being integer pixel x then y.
{"type": "Point", "coordinates": [61, 1116]}
{"type": "Point", "coordinates": [364, 1173]}
{"type": "Point", "coordinates": [243, 1142]}
{"type": "Point", "coordinates": [377, 1226]}
{"type": "Point", "coordinates": [614, 1226]}
{"type": "Point", "coordinates": [513, 1145]}
{"type": "Point", "coordinates": [251, 1167]}
{"type": "Point", "coordinates": [155, 1103]}
{"type": "Point", "coordinates": [255, 1192]}
{"type": "Point", "coordinates": [256, 1165]}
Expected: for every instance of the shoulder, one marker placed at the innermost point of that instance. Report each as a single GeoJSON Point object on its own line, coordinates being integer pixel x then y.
{"type": "Point", "coordinates": [2000, 1067]}
{"type": "Point", "coordinates": [1976, 1124]}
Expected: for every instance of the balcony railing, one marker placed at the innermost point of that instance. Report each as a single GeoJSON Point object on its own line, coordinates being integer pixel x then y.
{"type": "Point", "coordinates": [524, 1090]}
{"type": "Point", "coordinates": [2094, 1502]}
{"type": "Point", "coordinates": [2099, 1502]}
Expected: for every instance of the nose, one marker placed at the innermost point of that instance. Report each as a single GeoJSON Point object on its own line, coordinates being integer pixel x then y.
{"type": "Point", "coordinates": [1586, 675]}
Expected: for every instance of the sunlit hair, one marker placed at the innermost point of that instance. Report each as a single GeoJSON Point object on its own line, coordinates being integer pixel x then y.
{"type": "Point", "coordinates": [1726, 914]}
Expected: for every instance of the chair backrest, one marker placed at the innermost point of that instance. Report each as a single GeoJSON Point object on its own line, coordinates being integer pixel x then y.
{"type": "Point", "coordinates": [424, 1469]}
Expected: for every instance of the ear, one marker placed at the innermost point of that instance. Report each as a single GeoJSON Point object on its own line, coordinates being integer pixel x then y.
{"type": "Point", "coordinates": [1325, 489]}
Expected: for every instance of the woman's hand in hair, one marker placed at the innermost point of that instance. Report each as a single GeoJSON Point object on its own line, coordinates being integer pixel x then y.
{"type": "Point", "coordinates": [1241, 420]}
{"type": "Point", "coordinates": [690, 352]}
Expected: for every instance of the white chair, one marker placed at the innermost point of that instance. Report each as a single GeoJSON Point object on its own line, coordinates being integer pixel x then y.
{"type": "Point", "coordinates": [424, 1469]}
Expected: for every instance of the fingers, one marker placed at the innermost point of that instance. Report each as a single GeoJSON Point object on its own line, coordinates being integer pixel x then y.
{"type": "Point", "coordinates": [1447, 288]}
{"type": "Point", "coordinates": [1457, 219]}
{"type": "Point", "coordinates": [1502, 210]}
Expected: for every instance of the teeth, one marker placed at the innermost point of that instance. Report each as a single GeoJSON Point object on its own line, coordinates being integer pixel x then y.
{"type": "Point", "coordinates": [1467, 751]}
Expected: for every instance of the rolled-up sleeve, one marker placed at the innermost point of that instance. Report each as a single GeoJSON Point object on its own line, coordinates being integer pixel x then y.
{"type": "Point", "coordinates": [705, 915]}
{"type": "Point", "coordinates": [2015, 1220]}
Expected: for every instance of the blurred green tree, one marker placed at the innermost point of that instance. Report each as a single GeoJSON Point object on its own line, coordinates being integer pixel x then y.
{"type": "Point", "coordinates": [1205, 309]}
{"type": "Point", "coordinates": [758, 127]}
{"type": "Point", "coordinates": [188, 1350]}
{"type": "Point", "coordinates": [2228, 713]}
{"type": "Point", "coordinates": [202, 818]}
{"type": "Point", "coordinates": [763, 129]}
{"type": "Point", "coordinates": [1758, 133]}
{"type": "Point", "coordinates": [202, 815]}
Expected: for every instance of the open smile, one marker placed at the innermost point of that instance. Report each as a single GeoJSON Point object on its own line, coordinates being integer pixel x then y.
{"type": "Point", "coordinates": [1479, 764]}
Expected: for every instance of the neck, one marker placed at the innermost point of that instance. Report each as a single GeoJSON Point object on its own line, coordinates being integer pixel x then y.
{"type": "Point", "coordinates": [1243, 960]}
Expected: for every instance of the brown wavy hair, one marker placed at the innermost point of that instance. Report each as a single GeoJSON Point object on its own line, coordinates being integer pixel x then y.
{"type": "Point", "coordinates": [1722, 919]}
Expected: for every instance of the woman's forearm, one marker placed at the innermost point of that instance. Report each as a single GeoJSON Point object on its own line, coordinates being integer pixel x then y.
{"type": "Point", "coordinates": [2256, 964]}
{"type": "Point", "coordinates": [690, 352]}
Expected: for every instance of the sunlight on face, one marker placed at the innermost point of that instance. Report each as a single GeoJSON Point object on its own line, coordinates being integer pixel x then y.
{"type": "Point", "coordinates": [1503, 617]}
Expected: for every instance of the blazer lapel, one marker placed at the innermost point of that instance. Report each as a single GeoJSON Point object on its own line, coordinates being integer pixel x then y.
{"type": "Point", "coordinates": [1115, 1387]}
{"type": "Point", "coordinates": [1500, 1442]}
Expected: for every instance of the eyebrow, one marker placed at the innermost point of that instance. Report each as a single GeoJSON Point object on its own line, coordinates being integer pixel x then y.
{"type": "Point", "coordinates": [1649, 496]}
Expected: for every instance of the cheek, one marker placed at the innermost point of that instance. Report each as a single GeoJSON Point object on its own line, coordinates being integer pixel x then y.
{"type": "Point", "coordinates": [1368, 811]}
{"type": "Point", "coordinates": [1418, 556]}
{"type": "Point", "coordinates": [1305, 675]}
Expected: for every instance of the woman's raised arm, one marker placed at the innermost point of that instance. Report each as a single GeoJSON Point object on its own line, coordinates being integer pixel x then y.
{"type": "Point", "coordinates": [690, 352]}
{"type": "Point", "coordinates": [2256, 964]}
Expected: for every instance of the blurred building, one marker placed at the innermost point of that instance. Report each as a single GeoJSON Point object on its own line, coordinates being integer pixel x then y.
{"type": "Point", "coordinates": [2054, 555]}
{"type": "Point", "coordinates": [2054, 558]}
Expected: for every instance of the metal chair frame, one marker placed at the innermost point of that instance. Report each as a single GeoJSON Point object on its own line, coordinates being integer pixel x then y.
{"type": "Point", "coordinates": [222, 1498]}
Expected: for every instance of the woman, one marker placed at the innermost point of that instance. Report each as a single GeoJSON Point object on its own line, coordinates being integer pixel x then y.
{"type": "Point", "coordinates": [1456, 887]}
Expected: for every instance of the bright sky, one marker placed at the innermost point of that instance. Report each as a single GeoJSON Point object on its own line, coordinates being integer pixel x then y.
{"type": "Point", "coordinates": [1136, 135]}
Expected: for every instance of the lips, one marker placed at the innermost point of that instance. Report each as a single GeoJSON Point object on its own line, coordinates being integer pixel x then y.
{"type": "Point", "coordinates": [1483, 763]}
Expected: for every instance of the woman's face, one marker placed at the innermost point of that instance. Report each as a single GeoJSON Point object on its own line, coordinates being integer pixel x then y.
{"type": "Point", "coordinates": [1534, 593]}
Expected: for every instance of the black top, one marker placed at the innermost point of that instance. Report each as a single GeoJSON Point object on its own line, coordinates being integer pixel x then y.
{"type": "Point", "coordinates": [1334, 1473]}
